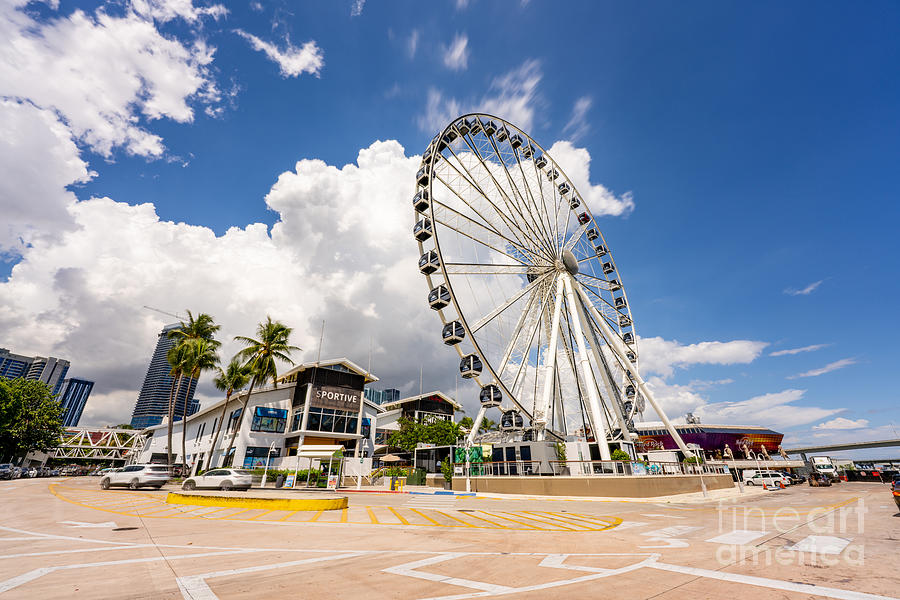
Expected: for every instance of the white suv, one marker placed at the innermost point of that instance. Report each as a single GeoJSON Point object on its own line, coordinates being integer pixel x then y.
{"type": "Point", "coordinates": [136, 476]}
{"type": "Point", "coordinates": [769, 478]}
{"type": "Point", "coordinates": [223, 479]}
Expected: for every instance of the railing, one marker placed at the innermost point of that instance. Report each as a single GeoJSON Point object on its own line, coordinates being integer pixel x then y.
{"type": "Point", "coordinates": [586, 468]}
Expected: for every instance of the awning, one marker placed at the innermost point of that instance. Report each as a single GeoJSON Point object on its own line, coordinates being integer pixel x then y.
{"type": "Point", "coordinates": [320, 451]}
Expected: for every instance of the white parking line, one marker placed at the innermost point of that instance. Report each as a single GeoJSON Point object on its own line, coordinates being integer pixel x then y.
{"type": "Point", "coordinates": [820, 544]}
{"type": "Point", "coordinates": [737, 537]}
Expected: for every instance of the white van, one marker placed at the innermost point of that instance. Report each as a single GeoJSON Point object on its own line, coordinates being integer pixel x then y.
{"type": "Point", "coordinates": [769, 478]}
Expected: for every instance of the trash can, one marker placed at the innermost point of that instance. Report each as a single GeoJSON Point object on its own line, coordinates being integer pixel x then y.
{"type": "Point", "coordinates": [279, 481]}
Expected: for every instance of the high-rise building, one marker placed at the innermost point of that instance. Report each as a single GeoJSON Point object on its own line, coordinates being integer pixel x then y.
{"type": "Point", "coordinates": [153, 402]}
{"type": "Point", "coordinates": [49, 370]}
{"type": "Point", "coordinates": [74, 396]}
{"type": "Point", "coordinates": [382, 396]}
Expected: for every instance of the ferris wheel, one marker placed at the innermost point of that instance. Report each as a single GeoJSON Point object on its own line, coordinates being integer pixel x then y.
{"type": "Point", "coordinates": [526, 287]}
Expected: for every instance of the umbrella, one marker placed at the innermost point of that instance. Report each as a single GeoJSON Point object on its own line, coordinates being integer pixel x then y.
{"type": "Point", "coordinates": [391, 458]}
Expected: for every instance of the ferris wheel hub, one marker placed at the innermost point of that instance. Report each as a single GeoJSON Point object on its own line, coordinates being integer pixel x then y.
{"type": "Point", "coordinates": [570, 263]}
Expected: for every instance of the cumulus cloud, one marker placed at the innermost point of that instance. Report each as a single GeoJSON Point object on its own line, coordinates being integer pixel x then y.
{"type": "Point", "coordinates": [792, 351]}
{"type": "Point", "coordinates": [356, 7]}
{"type": "Point", "coordinates": [456, 55]}
{"type": "Point", "coordinates": [169, 10]}
{"type": "Point", "coordinates": [103, 75]}
{"type": "Point", "coordinates": [806, 291]}
{"type": "Point", "coordinates": [778, 409]}
{"type": "Point", "coordinates": [577, 126]}
{"type": "Point", "coordinates": [842, 423]}
{"type": "Point", "coordinates": [291, 60]}
{"type": "Point", "coordinates": [838, 364]}
{"type": "Point", "coordinates": [513, 95]}
{"type": "Point", "coordinates": [662, 356]}
{"type": "Point", "coordinates": [576, 163]}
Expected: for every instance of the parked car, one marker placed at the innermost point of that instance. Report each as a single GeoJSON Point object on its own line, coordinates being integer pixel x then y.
{"type": "Point", "coordinates": [794, 477]}
{"type": "Point", "coordinates": [895, 490]}
{"type": "Point", "coordinates": [136, 477]}
{"type": "Point", "coordinates": [7, 471]}
{"type": "Point", "coordinates": [222, 479]}
{"type": "Point", "coordinates": [769, 478]}
{"type": "Point", "coordinates": [819, 480]}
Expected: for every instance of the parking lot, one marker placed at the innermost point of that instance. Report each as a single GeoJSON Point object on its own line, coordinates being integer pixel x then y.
{"type": "Point", "coordinates": [66, 537]}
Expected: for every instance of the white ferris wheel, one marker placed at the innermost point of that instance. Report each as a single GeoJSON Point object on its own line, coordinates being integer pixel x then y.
{"type": "Point", "coordinates": [526, 287]}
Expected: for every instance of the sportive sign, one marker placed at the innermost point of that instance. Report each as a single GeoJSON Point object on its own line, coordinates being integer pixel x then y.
{"type": "Point", "coordinates": [337, 398]}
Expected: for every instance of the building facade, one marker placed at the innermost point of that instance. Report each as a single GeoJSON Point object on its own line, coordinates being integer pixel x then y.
{"type": "Point", "coordinates": [153, 401]}
{"type": "Point", "coordinates": [712, 439]}
{"type": "Point", "coordinates": [380, 397]}
{"type": "Point", "coordinates": [49, 370]}
{"type": "Point", "coordinates": [73, 398]}
{"type": "Point", "coordinates": [424, 408]}
{"type": "Point", "coordinates": [273, 426]}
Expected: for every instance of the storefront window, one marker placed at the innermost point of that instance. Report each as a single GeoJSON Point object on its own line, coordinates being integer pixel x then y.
{"type": "Point", "coordinates": [255, 457]}
{"type": "Point", "coordinates": [269, 420]}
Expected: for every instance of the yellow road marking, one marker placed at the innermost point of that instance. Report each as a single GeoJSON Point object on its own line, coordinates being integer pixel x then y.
{"type": "Point", "coordinates": [214, 511]}
{"type": "Point", "coordinates": [316, 518]}
{"type": "Point", "coordinates": [263, 513]}
{"type": "Point", "coordinates": [398, 515]}
{"type": "Point", "coordinates": [574, 519]}
{"type": "Point", "coordinates": [487, 520]}
{"type": "Point", "coordinates": [290, 514]}
{"type": "Point", "coordinates": [455, 519]}
{"type": "Point", "coordinates": [343, 515]}
{"type": "Point", "coordinates": [548, 521]}
{"type": "Point", "coordinates": [372, 515]}
{"type": "Point", "coordinates": [530, 526]}
{"type": "Point", "coordinates": [424, 516]}
{"type": "Point", "coordinates": [240, 512]}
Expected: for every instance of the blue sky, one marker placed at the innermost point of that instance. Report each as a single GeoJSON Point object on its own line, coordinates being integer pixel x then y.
{"type": "Point", "coordinates": [759, 143]}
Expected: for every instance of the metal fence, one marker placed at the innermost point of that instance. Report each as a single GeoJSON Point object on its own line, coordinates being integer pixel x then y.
{"type": "Point", "coordinates": [586, 468]}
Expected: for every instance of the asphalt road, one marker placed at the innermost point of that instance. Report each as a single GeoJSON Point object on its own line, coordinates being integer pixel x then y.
{"type": "Point", "coordinates": [66, 538]}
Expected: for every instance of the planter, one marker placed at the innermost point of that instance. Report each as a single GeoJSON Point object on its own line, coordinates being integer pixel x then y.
{"type": "Point", "coordinates": [448, 485]}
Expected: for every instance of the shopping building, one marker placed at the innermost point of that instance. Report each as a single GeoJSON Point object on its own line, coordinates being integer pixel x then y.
{"type": "Point", "coordinates": [317, 404]}
{"type": "Point", "coordinates": [424, 408]}
{"type": "Point", "coordinates": [712, 439]}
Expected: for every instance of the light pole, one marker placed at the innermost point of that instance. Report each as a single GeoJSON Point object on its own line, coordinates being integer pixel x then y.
{"type": "Point", "coordinates": [266, 467]}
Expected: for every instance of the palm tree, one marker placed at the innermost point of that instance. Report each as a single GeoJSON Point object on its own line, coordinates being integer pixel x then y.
{"type": "Point", "coordinates": [487, 425]}
{"type": "Point", "coordinates": [200, 356]}
{"type": "Point", "coordinates": [176, 359]}
{"type": "Point", "coordinates": [234, 378]}
{"type": "Point", "coordinates": [203, 327]}
{"type": "Point", "coordinates": [260, 356]}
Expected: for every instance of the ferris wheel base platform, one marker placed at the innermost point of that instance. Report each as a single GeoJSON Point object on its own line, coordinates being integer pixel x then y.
{"type": "Point", "coordinates": [638, 486]}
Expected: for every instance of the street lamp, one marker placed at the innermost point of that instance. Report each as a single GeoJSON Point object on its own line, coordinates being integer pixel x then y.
{"type": "Point", "coordinates": [266, 467]}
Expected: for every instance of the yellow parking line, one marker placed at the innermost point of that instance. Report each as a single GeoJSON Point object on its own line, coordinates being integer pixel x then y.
{"type": "Point", "coordinates": [455, 519]}
{"type": "Point", "coordinates": [260, 515]}
{"type": "Point", "coordinates": [487, 521]}
{"type": "Point", "coordinates": [530, 526]}
{"type": "Point", "coordinates": [214, 511]}
{"type": "Point", "coordinates": [343, 515]}
{"type": "Point", "coordinates": [157, 511]}
{"type": "Point", "coordinates": [316, 518]}
{"type": "Point", "coordinates": [290, 514]}
{"type": "Point", "coordinates": [578, 518]}
{"type": "Point", "coordinates": [372, 516]}
{"type": "Point", "coordinates": [184, 512]}
{"type": "Point", "coordinates": [548, 522]}
{"type": "Point", "coordinates": [424, 516]}
{"type": "Point", "coordinates": [398, 515]}
{"type": "Point", "coordinates": [240, 512]}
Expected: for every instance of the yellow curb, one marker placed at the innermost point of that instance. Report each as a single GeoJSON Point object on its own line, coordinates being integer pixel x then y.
{"type": "Point", "coordinates": [293, 504]}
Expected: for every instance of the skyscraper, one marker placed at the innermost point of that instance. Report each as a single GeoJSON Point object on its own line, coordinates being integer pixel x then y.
{"type": "Point", "coordinates": [74, 397]}
{"type": "Point", "coordinates": [153, 402]}
{"type": "Point", "coordinates": [49, 370]}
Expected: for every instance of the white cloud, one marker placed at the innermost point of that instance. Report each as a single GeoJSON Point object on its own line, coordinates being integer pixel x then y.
{"type": "Point", "coordinates": [804, 291]}
{"type": "Point", "coordinates": [357, 7]}
{"type": "Point", "coordinates": [842, 423]}
{"type": "Point", "coordinates": [512, 96]}
{"type": "Point", "coordinates": [103, 75]}
{"type": "Point", "coordinates": [577, 127]}
{"type": "Point", "coordinates": [462, 4]}
{"type": "Point", "coordinates": [168, 10]}
{"type": "Point", "coordinates": [775, 410]}
{"type": "Point", "coordinates": [292, 61]}
{"type": "Point", "coordinates": [456, 55]}
{"type": "Point", "coordinates": [412, 44]}
{"type": "Point", "coordinates": [661, 356]}
{"type": "Point", "coordinates": [838, 364]}
{"type": "Point", "coordinates": [792, 351]}
{"type": "Point", "coordinates": [576, 163]}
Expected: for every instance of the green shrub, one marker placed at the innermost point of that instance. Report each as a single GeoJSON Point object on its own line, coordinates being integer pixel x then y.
{"type": "Point", "coordinates": [447, 469]}
{"type": "Point", "coordinates": [620, 455]}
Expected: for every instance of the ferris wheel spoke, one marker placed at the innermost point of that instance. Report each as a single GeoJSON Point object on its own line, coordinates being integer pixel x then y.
{"type": "Point", "coordinates": [535, 306]}
{"type": "Point", "coordinates": [605, 307]}
{"type": "Point", "coordinates": [544, 221]}
{"type": "Point", "coordinates": [484, 220]}
{"type": "Point", "coordinates": [509, 302]}
{"type": "Point", "coordinates": [547, 242]}
{"type": "Point", "coordinates": [510, 202]}
{"type": "Point", "coordinates": [576, 237]}
{"type": "Point", "coordinates": [455, 268]}
{"type": "Point", "coordinates": [470, 181]}
{"type": "Point", "coordinates": [477, 232]}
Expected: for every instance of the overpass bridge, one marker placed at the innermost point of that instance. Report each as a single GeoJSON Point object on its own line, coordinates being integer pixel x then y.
{"type": "Point", "coordinates": [98, 443]}
{"type": "Point", "coordinates": [803, 451]}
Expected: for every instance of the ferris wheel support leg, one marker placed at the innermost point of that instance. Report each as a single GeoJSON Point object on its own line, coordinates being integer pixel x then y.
{"type": "Point", "coordinates": [601, 367]}
{"type": "Point", "coordinates": [618, 347]}
{"type": "Point", "coordinates": [475, 425]}
{"type": "Point", "coordinates": [601, 428]}
{"type": "Point", "coordinates": [540, 420]}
